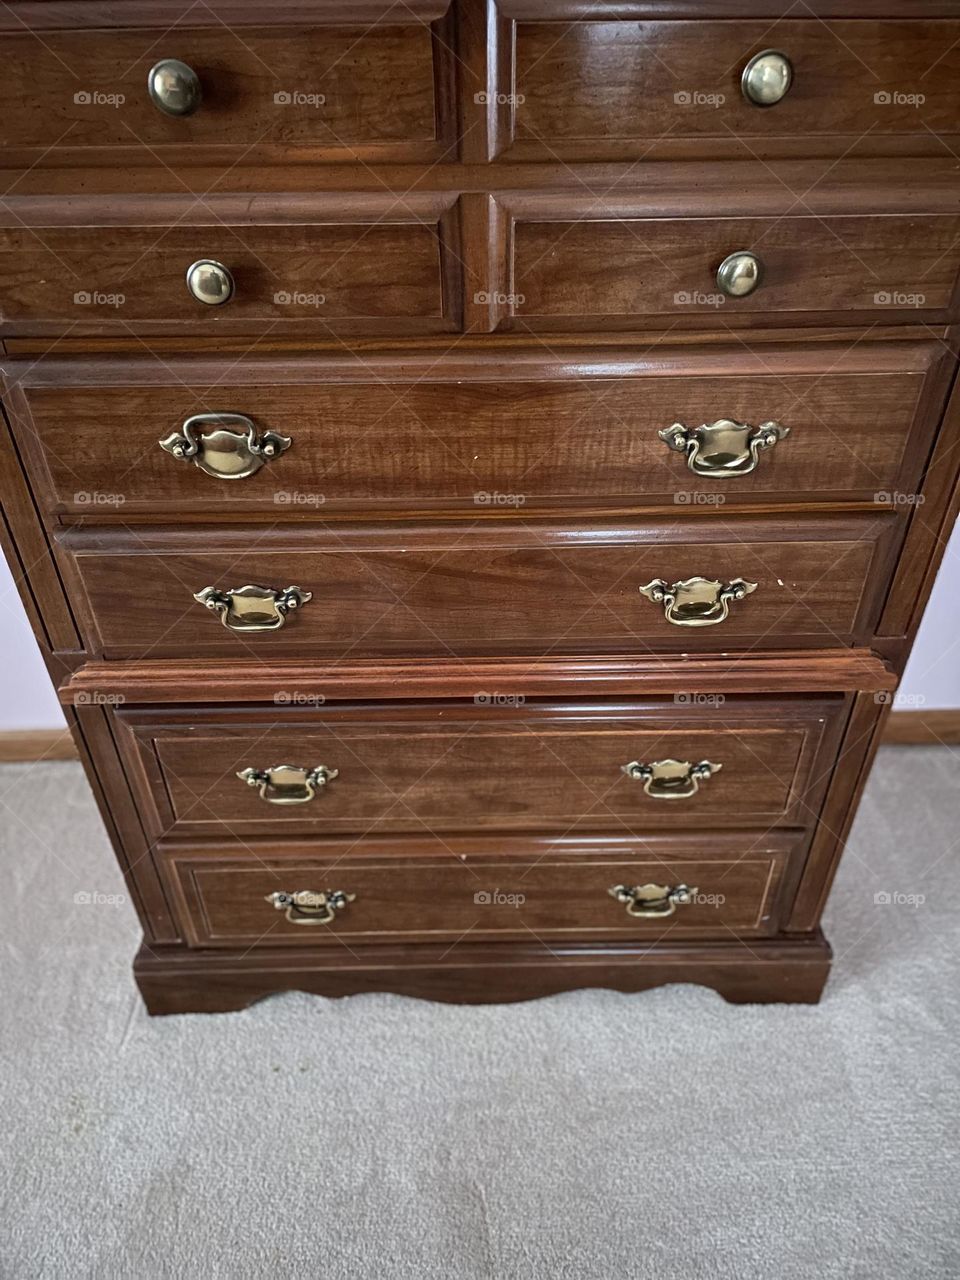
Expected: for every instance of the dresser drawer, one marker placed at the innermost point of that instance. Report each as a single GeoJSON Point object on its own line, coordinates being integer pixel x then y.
{"type": "Point", "coordinates": [495, 762]}
{"type": "Point", "coordinates": [276, 92]}
{"type": "Point", "coordinates": [493, 587]}
{"type": "Point", "coordinates": [859, 416]}
{"type": "Point", "coordinates": [585, 264]}
{"type": "Point", "coordinates": [593, 89]}
{"type": "Point", "coordinates": [550, 889]}
{"type": "Point", "coordinates": [364, 264]}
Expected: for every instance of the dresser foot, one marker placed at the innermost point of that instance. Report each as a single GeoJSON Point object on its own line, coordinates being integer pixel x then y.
{"type": "Point", "coordinates": [177, 980]}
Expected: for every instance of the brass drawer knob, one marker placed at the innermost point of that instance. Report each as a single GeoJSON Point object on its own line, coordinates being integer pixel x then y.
{"type": "Point", "coordinates": [288, 783]}
{"type": "Point", "coordinates": [652, 900]}
{"type": "Point", "coordinates": [225, 445]}
{"type": "Point", "coordinates": [739, 274]}
{"type": "Point", "coordinates": [696, 602]}
{"type": "Point", "coordinates": [210, 282]}
{"type": "Point", "coordinates": [718, 450]}
{"type": "Point", "coordinates": [309, 907]}
{"type": "Point", "coordinates": [174, 87]}
{"type": "Point", "coordinates": [671, 779]}
{"type": "Point", "coordinates": [253, 608]}
{"type": "Point", "coordinates": [767, 78]}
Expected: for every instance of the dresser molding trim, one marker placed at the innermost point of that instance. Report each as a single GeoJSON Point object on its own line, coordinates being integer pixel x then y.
{"type": "Point", "coordinates": [178, 980]}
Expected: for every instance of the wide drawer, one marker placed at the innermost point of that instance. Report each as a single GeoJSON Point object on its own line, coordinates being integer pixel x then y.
{"type": "Point", "coordinates": [276, 92]}
{"type": "Point", "coordinates": [495, 762]}
{"type": "Point", "coordinates": [493, 587]}
{"type": "Point", "coordinates": [580, 264]}
{"type": "Point", "coordinates": [441, 432]}
{"type": "Point", "coordinates": [318, 264]}
{"type": "Point", "coordinates": [430, 891]}
{"type": "Point", "coordinates": [579, 87]}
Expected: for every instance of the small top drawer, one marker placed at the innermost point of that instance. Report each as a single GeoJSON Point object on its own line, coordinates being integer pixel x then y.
{"type": "Point", "coordinates": [604, 90]}
{"type": "Point", "coordinates": [369, 264]}
{"type": "Point", "coordinates": [225, 94]}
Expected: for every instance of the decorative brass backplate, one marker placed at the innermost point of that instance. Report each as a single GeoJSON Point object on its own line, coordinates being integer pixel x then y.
{"type": "Point", "coordinates": [671, 779]}
{"type": "Point", "coordinates": [225, 445]}
{"type": "Point", "coordinates": [696, 602]}
{"type": "Point", "coordinates": [309, 907]}
{"type": "Point", "coordinates": [721, 449]}
{"type": "Point", "coordinates": [651, 900]}
{"type": "Point", "coordinates": [288, 783]}
{"type": "Point", "coordinates": [253, 608]}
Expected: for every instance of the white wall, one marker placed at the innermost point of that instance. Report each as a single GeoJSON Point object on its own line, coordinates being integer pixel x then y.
{"type": "Point", "coordinates": [932, 678]}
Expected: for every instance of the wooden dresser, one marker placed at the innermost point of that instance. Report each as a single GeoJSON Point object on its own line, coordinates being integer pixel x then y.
{"type": "Point", "coordinates": [475, 472]}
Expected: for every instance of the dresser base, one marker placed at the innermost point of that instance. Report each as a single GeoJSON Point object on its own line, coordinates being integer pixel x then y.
{"type": "Point", "coordinates": [178, 980]}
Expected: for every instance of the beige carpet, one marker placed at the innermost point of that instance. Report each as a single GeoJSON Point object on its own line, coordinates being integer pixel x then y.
{"type": "Point", "coordinates": [665, 1135]}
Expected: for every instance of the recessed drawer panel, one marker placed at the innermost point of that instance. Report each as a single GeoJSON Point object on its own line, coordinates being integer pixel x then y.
{"type": "Point", "coordinates": [225, 94]}
{"type": "Point", "coordinates": [855, 423]}
{"type": "Point", "coordinates": [706, 887]}
{"type": "Point", "coordinates": [577, 265]}
{"type": "Point", "coordinates": [285, 264]}
{"type": "Point", "coordinates": [494, 587]}
{"type": "Point", "coordinates": [618, 89]}
{"type": "Point", "coordinates": [495, 762]}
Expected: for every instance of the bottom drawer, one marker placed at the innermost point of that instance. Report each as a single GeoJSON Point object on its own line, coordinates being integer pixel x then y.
{"type": "Point", "coordinates": [431, 891]}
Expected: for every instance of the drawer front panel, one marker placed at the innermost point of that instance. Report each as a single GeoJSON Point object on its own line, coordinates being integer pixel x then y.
{"type": "Point", "coordinates": [557, 891]}
{"type": "Point", "coordinates": [598, 90]}
{"type": "Point", "coordinates": [859, 423]}
{"type": "Point", "coordinates": [451, 767]}
{"type": "Point", "coordinates": [485, 589]}
{"type": "Point", "coordinates": [319, 93]}
{"type": "Point", "coordinates": [297, 264]}
{"type": "Point", "coordinates": [587, 272]}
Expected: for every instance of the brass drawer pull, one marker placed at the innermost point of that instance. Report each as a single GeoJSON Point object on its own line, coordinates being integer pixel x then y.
{"type": "Point", "coordinates": [253, 608]}
{"type": "Point", "coordinates": [767, 78]}
{"type": "Point", "coordinates": [696, 602]}
{"type": "Point", "coordinates": [739, 274]}
{"type": "Point", "coordinates": [651, 900]}
{"type": "Point", "coordinates": [174, 87]}
{"type": "Point", "coordinates": [225, 445]}
{"type": "Point", "coordinates": [723, 448]}
{"type": "Point", "coordinates": [309, 907]}
{"type": "Point", "coordinates": [210, 282]}
{"type": "Point", "coordinates": [288, 783]}
{"type": "Point", "coordinates": [671, 779]}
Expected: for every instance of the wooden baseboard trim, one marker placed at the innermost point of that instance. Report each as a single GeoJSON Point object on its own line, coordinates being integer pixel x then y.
{"type": "Point", "coordinates": [923, 728]}
{"type": "Point", "coordinates": [19, 746]}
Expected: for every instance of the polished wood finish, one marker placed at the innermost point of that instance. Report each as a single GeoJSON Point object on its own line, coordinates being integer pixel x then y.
{"type": "Point", "coordinates": [496, 762]}
{"type": "Point", "coordinates": [34, 745]}
{"type": "Point", "coordinates": [500, 587]}
{"type": "Point", "coordinates": [923, 728]}
{"type": "Point", "coordinates": [499, 281]}
{"type": "Point", "coordinates": [558, 431]}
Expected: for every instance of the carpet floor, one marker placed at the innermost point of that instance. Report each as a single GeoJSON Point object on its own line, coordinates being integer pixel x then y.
{"type": "Point", "coordinates": [591, 1135]}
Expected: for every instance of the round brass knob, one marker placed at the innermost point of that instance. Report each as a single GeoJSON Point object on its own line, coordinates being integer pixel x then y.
{"type": "Point", "coordinates": [739, 274]}
{"type": "Point", "coordinates": [766, 78]}
{"type": "Point", "coordinates": [210, 282]}
{"type": "Point", "coordinates": [174, 87]}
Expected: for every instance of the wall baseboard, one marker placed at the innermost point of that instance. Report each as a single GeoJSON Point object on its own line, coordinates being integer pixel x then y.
{"type": "Point", "coordinates": [31, 745]}
{"type": "Point", "coordinates": [904, 728]}
{"type": "Point", "coordinates": [923, 728]}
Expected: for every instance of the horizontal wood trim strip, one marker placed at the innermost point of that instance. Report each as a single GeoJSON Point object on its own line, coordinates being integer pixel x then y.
{"type": "Point", "coordinates": [923, 728]}
{"type": "Point", "coordinates": [31, 745]}
{"type": "Point", "coordinates": [789, 671]}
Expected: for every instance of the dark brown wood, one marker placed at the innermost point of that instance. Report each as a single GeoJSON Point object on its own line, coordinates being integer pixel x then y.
{"type": "Point", "coordinates": [934, 728]}
{"type": "Point", "coordinates": [315, 683]}
{"type": "Point", "coordinates": [496, 587]}
{"type": "Point", "coordinates": [181, 980]}
{"type": "Point", "coordinates": [473, 498]}
{"type": "Point", "coordinates": [561, 430]}
{"type": "Point", "coordinates": [509, 889]}
{"type": "Point", "coordinates": [494, 762]}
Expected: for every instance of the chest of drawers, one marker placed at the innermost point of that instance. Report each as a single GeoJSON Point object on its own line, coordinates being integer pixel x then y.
{"type": "Point", "coordinates": [475, 472]}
